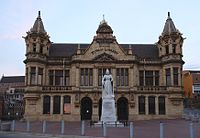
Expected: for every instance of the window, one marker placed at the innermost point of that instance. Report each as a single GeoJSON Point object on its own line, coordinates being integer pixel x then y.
{"type": "Point", "coordinates": [156, 78]}
{"type": "Point", "coordinates": [167, 49]}
{"type": "Point", "coordinates": [161, 105]}
{"type": "Point", "coordinates": [122, 77]}
{"type": "Point", "coordinates": [141, 78]}
{"type": "Point", "coordinates": [40, 76]}
{"type": "Point", "coordinates": [86, 77]}
{"type": "Point", "coordinates": [149, 78]}
{"type": "Point", "coordinates": [41, 49]}
{"type": "Point", "coordinates": [34, 47]}
{"type": "Point", "coordinates": [175, 76]}
{"type": "Point", "coordinates": [33, 75]}
{"type": "Point", "coordinates": [51, 77]}
{"type": "Point", "coordinates": [168, 77]}
{"type": "Point", "coordinates": [141, 103]}
{"type": "Point", "coordinates": [56, 105]}
{"type": "Point", "coordinates": [67, 78]}
{"type": "Point", "coordinates": [46, 104]}
{"type": "Point", "coordinates": [174, 48]}
{"type": "Point", "coordinates": [67, 105]}
{"type": "Point", "coordinates": [27, 76]}
{"type": "Point", "coordinates": [59, 77]}
{"type": "Point", "coordinates": [151, 100]}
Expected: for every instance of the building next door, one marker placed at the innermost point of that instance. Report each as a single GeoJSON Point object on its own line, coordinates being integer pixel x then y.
{"type": "Point", "coordinates": [122, 109]}
{"type": "Point", "coordinates": [86, 108]}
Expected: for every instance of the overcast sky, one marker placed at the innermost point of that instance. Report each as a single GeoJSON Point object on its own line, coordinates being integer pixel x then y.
{"type": "Point", "coordinates": [76, 21]}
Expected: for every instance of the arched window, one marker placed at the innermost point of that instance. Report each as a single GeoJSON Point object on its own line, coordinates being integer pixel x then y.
{"type": "Point", "coordinates": [56, 104]}
{"type": "Point", "coordinates": [66, 104]}
{"type": "Point", "coordinates": [151, 100]}
{"type": "Point", "coordinates": [46, 104]}
{"type": "Point", "coordinates": [174, 48]}
{"type": "Point", "coordinates": [141, 104]}
{"type": "Point", "coordinates": [161, 104]}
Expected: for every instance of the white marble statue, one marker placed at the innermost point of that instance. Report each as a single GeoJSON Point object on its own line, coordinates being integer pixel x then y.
{"type": "Point", "coordinates": [107, 85]}
{"type": "Point", "coordinates": [108, 114]}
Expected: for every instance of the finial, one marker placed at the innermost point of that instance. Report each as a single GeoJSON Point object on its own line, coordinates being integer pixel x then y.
{"type": "Point", "coordinates": [38, 14]}
{"type": "Point", "coordinates": [103, 17]}
{"type": "Point", "coordinates": [103, 21]}
{"type": "Point", "coordinates": [168, 14]}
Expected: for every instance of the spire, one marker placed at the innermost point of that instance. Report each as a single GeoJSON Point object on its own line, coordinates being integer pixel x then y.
{"type": "Point", "coordinates": [104, 27]}
{"type": "Point", "coordinates": [38, 26]}
{"type": "Point", "coordinates": [169, 26]}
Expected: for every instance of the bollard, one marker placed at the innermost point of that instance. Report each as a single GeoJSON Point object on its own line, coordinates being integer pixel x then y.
{"type": "Point", "coordinates": [104, 130]}
{"type": "Point", "coordinates": [191, 130]}
{"type": "Point", "coordinates": [161, 130]}
{"type": "Point", "coordinates": [13, 126]}
{"type": "Point", "coordinates": [44, 126]}
{"type": "Point", "coordinates": [131, 130]}
{"type": "Point", "coordinates": [62, 126]}
{"type": "Point", "coordinates": [28, 126]}
{"type": "Point", "coordinates": [82, 127]}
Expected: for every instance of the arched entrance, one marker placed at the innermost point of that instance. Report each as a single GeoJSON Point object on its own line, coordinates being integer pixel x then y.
{"type": "Point", "coordinates": [122, 109]}
{"type": "Point", "coordinates": [100, 108]}
{"type": "Point", "coordinates": [86, 108]}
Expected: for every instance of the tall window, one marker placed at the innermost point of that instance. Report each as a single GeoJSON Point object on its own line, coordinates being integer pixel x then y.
{"type": "Point", "coordinates": [33, 75]}
{"type": "Point", "coordinates": [174, 48]}
{"type": "Point", "coordinates": [141, 77]}
{"type": "Point", "coordinates": [51, 77]}
{"type": "Point", "coordinates": [168, 76]}
{"type": "Point", "coordinates": [156, 78]}
{"type": "Point", "coordinates": [167, 49]}
{"type": "Point", "coordinates": [40, 76]}
{"type": "Point", "coordinates": [161, 105]}
{"type": "Point", "coordinates": [59, 77]}
{"type": "Point", "coordinates": [56, 105]}
{"type": "Point", "coordinates": [67, 105]}
{"type": "Point", "coordinates": [34, 47]}
{"type": "Point", "coordinates": [86, 77]}
{"type": "Point", "coordinates": [67, 78]}
{"type": "Point", "coordinates": [122, 77]}
{"type": "Point", "coordinates": [41, 49]}
{"type": "Point", "coordinates": [175, 76]}
{"type": "Point", "coordinates": [101, 72]}
{"type": "Point", "coordinates": [151, 100]}
{"type": "Point", "coordinates": [141, 103]}
{"type": "Point", "coordinates": [46, 104]}
{"type": "Point", "coordinates": [149, 78]}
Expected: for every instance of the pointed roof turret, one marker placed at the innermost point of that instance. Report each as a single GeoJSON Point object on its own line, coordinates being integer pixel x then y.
{"type": "Point", "coordinates": [38, 26]}
{"type": "Point", "coordinates": [169, 26]}
{"type": "Point", "coordinates": [104, 28]}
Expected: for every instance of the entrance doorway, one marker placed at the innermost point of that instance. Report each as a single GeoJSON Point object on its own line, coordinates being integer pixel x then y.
{"type": "Point", "coordinates": [86, 108]}
{"type": "Point", "coordinates": [122, 109]}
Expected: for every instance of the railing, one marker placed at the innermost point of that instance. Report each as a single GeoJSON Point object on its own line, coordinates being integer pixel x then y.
{"type": "Point", "coordinates": [56, 88]}
{"type": "Point", "coordinates": [151, 88]}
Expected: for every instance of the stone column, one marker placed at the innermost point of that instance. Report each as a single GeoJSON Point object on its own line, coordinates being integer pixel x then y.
{"type": "Point", "coordinates": [61, 104]}
{"type": "Point", "coordinates": [51, 105]}
{"type": "Point", "coordinates": [156, 105]}
{"type": "Point", "coordinates": [95, 77]}
{"type": "Point", "coordinates": [146, 106]}
{"type": "Point", "coordinates": [172, 77]}
{"type": "Point", "coordinates": [36, 75]}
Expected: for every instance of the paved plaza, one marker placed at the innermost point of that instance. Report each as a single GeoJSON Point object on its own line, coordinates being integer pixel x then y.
{"type": "Point", "coordinates": [178, 128]}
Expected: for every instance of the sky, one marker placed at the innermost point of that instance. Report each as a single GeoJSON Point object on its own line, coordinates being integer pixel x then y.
{"type": "Point", "coordinates": [76, 21]}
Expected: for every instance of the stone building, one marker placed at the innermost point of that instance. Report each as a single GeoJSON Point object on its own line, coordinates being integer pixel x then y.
{"type": "Point", "coordinates": [63, 80]}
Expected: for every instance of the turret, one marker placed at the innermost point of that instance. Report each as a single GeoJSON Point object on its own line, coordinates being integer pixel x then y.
{"type": "Point", "coordinates": [37, 51]}
{"type": "Point", "coordinates": [37, 40]}
{"type": "Point", "coordinates": [171, 40]}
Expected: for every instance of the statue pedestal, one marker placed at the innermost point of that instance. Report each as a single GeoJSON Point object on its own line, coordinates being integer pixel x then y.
{"type": "Point", "coordinates": [108, 110]}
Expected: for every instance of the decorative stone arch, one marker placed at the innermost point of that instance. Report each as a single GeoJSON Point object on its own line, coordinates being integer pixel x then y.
{"type": "Point", "coordinates": [122, 109]}
{"type": "Point", "coordinates": [86, 108]}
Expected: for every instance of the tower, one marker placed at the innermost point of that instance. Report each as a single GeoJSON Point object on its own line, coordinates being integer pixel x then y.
{"type": "Point", "coordinates": [37, 51]}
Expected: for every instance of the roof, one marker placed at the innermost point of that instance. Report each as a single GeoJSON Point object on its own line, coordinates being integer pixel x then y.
{"type": "Point", "coordinates": [147, 51]}
{"type": "Point", "coordinates": [169, 26]}
{"type": "Point", "coordinates": [12, 79]}
{"type": "Point", "coordinates": [38, 26]}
